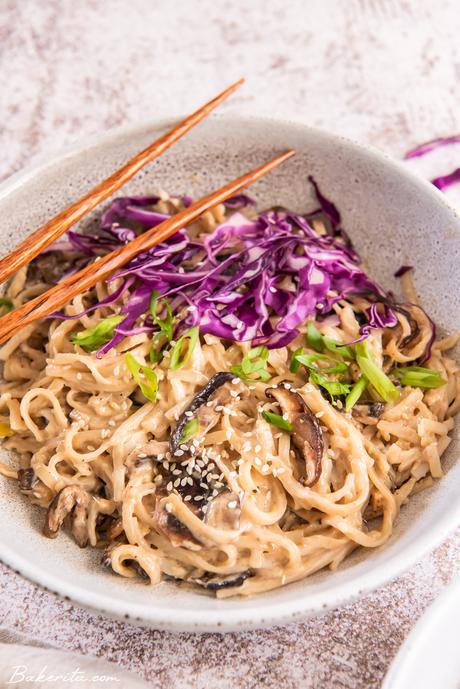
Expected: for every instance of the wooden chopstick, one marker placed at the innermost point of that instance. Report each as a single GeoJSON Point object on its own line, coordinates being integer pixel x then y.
{"type": "Point", "coordinates": [67, 289]}
{"type": "Point", "coordinates": [60, 223]}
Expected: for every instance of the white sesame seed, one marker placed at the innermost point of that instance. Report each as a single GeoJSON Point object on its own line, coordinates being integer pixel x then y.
{"type": "Point", "coordinates": [183, 447]}
{"type": "Point", "coordinates": [319, 414]}
{"type": "Point", "coordinates": [91, 448]}
{"type": "Point", "coordinates": [187, 498]}
{"type": "Point", "coordinates": [178, 453]}
{"type": "Point", "coordinates": [281, 470]}
{"type": "Point", "coordinates": [240, 462]}
{"type": "Point", "coordinates": [176, 472]}
{"type": "Point", "coordinates": [116, 371]}
{"type": "Point", "coordinates": [272, 289]}
{"type": "Point", "coordinates": [258, 461]}
{"type": "Point", "coordinates": [197, 498]}
{"type": "Point", "coordinates": [169, 487]}
{"type": "Point", "coordinates": [112, 423]}
{"type": "Point", "coordinates": [188, 413]}
{"type": "Point", "coordinates": [257, 448]}
{"type": "Point", "coordinates": [184, 481]}
{"type": "Point", "coordinates": [176, 483]}
{"type": "Point", "coordinates": [168, 507]}
{"type": "Point", "coordinates": [265, 467]}
{"type": "Point", "coordinates": [232, 504]}
{"type": "Point", "coordinates": [142, 455]}
{"type": "Point", "coordinates": [79, 376]}
{"type": "Point", "coordinates": [190, 481]}
{"type": "Point", "coordinates": [288, 386]}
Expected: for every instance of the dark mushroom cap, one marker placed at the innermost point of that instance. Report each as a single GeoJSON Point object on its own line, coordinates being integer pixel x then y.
{"type": "Point", "coordinates": [192, 473]}
{"type": "Point", "coordinates": [307, 436]}
{"type": "Point", "coordinates": [216, 582]}
{"type": "Point", "coordinates": [74, 501]}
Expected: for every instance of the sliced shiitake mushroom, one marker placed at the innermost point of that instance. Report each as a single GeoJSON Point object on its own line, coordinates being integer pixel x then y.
{"type": "Point", "coordinates": [74, 501]}
{"type": "Point", "coordinates": [307, 436]}
{"type": "Point", "coordinates": [218, 392]}
{"type": "Point", "coordinates": [27, 479]}
{"type": "Point", "coordinates": [208, 498]}
{"type": "Point", "coordinates": [216, 582]}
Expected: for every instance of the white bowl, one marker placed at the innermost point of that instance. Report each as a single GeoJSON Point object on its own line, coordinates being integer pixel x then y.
{"type": "Point", "coordinates": [393, 217]}
{"type": "Point", "coordinates": [429, 656]}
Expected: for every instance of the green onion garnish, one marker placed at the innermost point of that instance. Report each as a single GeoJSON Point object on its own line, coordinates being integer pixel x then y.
{"type": "Point", "coordinates": [334, 387]}
{"type": "Point", "coordinates": [356, 392]}
{"type": "Point", "coordinates": [191, 428]}
{"type": "Point", "coordinates": [7, 303]}
{"type": "Point", "coordinates": [149, 384]}
{"type": "Point", "coordinates": [309, 361]}
{"type": "Point", "coordinates": [318, 342]}
{"type": "Point", "coordinates": [278, 421]}
{"type": "Point", "coordinates": [166, 324]}
{"type": "Point", "coordinates": [253, 364]}
{"type": "Point", "coordinates": [419, 377]}
{"type": "Point", "coordinates": [93, 338]}
{"type": "Point", "coordinates": [338, 348]}
{"type": "Point", "coordinates": [183, 349]}
{"type": "Point", "coordinates": [375, 376]}
{"type": "Point", "coordinates": [314, 337]}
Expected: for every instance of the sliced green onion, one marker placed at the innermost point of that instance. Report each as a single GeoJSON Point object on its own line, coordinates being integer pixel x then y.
{"type": "Point", "coordinates": [339, 348]}
{"type": "Point", "coordinates": [419, 377]}
{"type": "Point", "coordinates": [253, 364]}
{"type": "Point", "coordinates": [334, 387]}
{"type": "Point", "coordinates": [309, 361]}
{"type": "Point", "coordinates": [149, 384]}
{"type": "Point", "coordinates": [183, 349]}
{"type": "Point", "coordinates": [166, 324]}
{"type": "Point", "coordinates": [314, 338]}
{"type": "Point", "coordinates": [191, 428]}
{"type": "Point", "coordinates": [376, 377]}
{"type": "Point", "coordinates": [93, 338]}
{"type": "Point", "coordinates": [356, 392]}
{"type": "Point", "coordinates": [318, 342]}
{"type": "Point", "coordinates": [295, 363]}
{"type": "Point", "coordinates": [278, 421]}
{"type": "Point", "coordinates": [7, 303]}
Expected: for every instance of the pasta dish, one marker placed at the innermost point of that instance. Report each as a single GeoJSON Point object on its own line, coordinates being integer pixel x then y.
{"type": "Point", "coordinates": [237, 408]}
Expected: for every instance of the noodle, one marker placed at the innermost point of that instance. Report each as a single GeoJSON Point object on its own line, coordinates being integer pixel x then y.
{"type": "Point", "coordinates": [80, 421]}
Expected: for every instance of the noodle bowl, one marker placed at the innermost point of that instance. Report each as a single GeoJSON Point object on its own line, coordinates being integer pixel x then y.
{"type": "Point", "coordinates": [234, 503]}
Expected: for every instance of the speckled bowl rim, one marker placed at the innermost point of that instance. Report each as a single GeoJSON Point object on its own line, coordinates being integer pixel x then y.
{"type": "Point", "coordinates": [261, 613]}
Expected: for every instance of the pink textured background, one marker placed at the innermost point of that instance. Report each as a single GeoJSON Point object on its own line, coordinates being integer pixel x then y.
{"type": "Point", "coordinates": [380, 71]}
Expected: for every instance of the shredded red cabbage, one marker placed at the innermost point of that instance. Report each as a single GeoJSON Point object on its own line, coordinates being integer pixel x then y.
{"type": "Point", "coordinates": [252, 280]}
{"type": "Point", "coordinates": [431, 145]}
{"type": "Point", "coordinates": [446, 181]}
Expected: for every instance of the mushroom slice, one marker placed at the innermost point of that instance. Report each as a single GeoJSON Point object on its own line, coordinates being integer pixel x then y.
{"type": "Point", "coordinates": [224, 511]}
{"type": "Point", "coordinates": [194, 475]}
{"type": "Point", "coordinates": [218, 392]}
{"type": "Point", "coordinates": [170, 526]}
{"type": "Point", "coordinates": [306, 436]}
{"type": "Point", "coordinates": [368, 413]}
{"type": "Point", "coordinates": [70, 500]}
{"type": "Point", "coordinates": [27, 479]}
{"type": "Point", "coordinates": [215, 582]}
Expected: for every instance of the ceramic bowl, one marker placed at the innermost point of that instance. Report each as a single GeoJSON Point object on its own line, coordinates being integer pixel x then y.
{"type": "Point", "coordinates": [393, 217]}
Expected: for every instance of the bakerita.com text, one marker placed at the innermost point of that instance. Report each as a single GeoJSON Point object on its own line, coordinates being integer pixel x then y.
{"type": "Point", "coordinates": [21, 674]}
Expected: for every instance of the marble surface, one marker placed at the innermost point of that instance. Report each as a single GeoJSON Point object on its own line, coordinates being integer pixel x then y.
{"type": "Point", "coordinates": [380, 71]}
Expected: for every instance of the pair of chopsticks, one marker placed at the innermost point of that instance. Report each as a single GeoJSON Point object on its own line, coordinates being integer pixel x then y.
{"type": "Point", "coordinates": [75, 284]}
